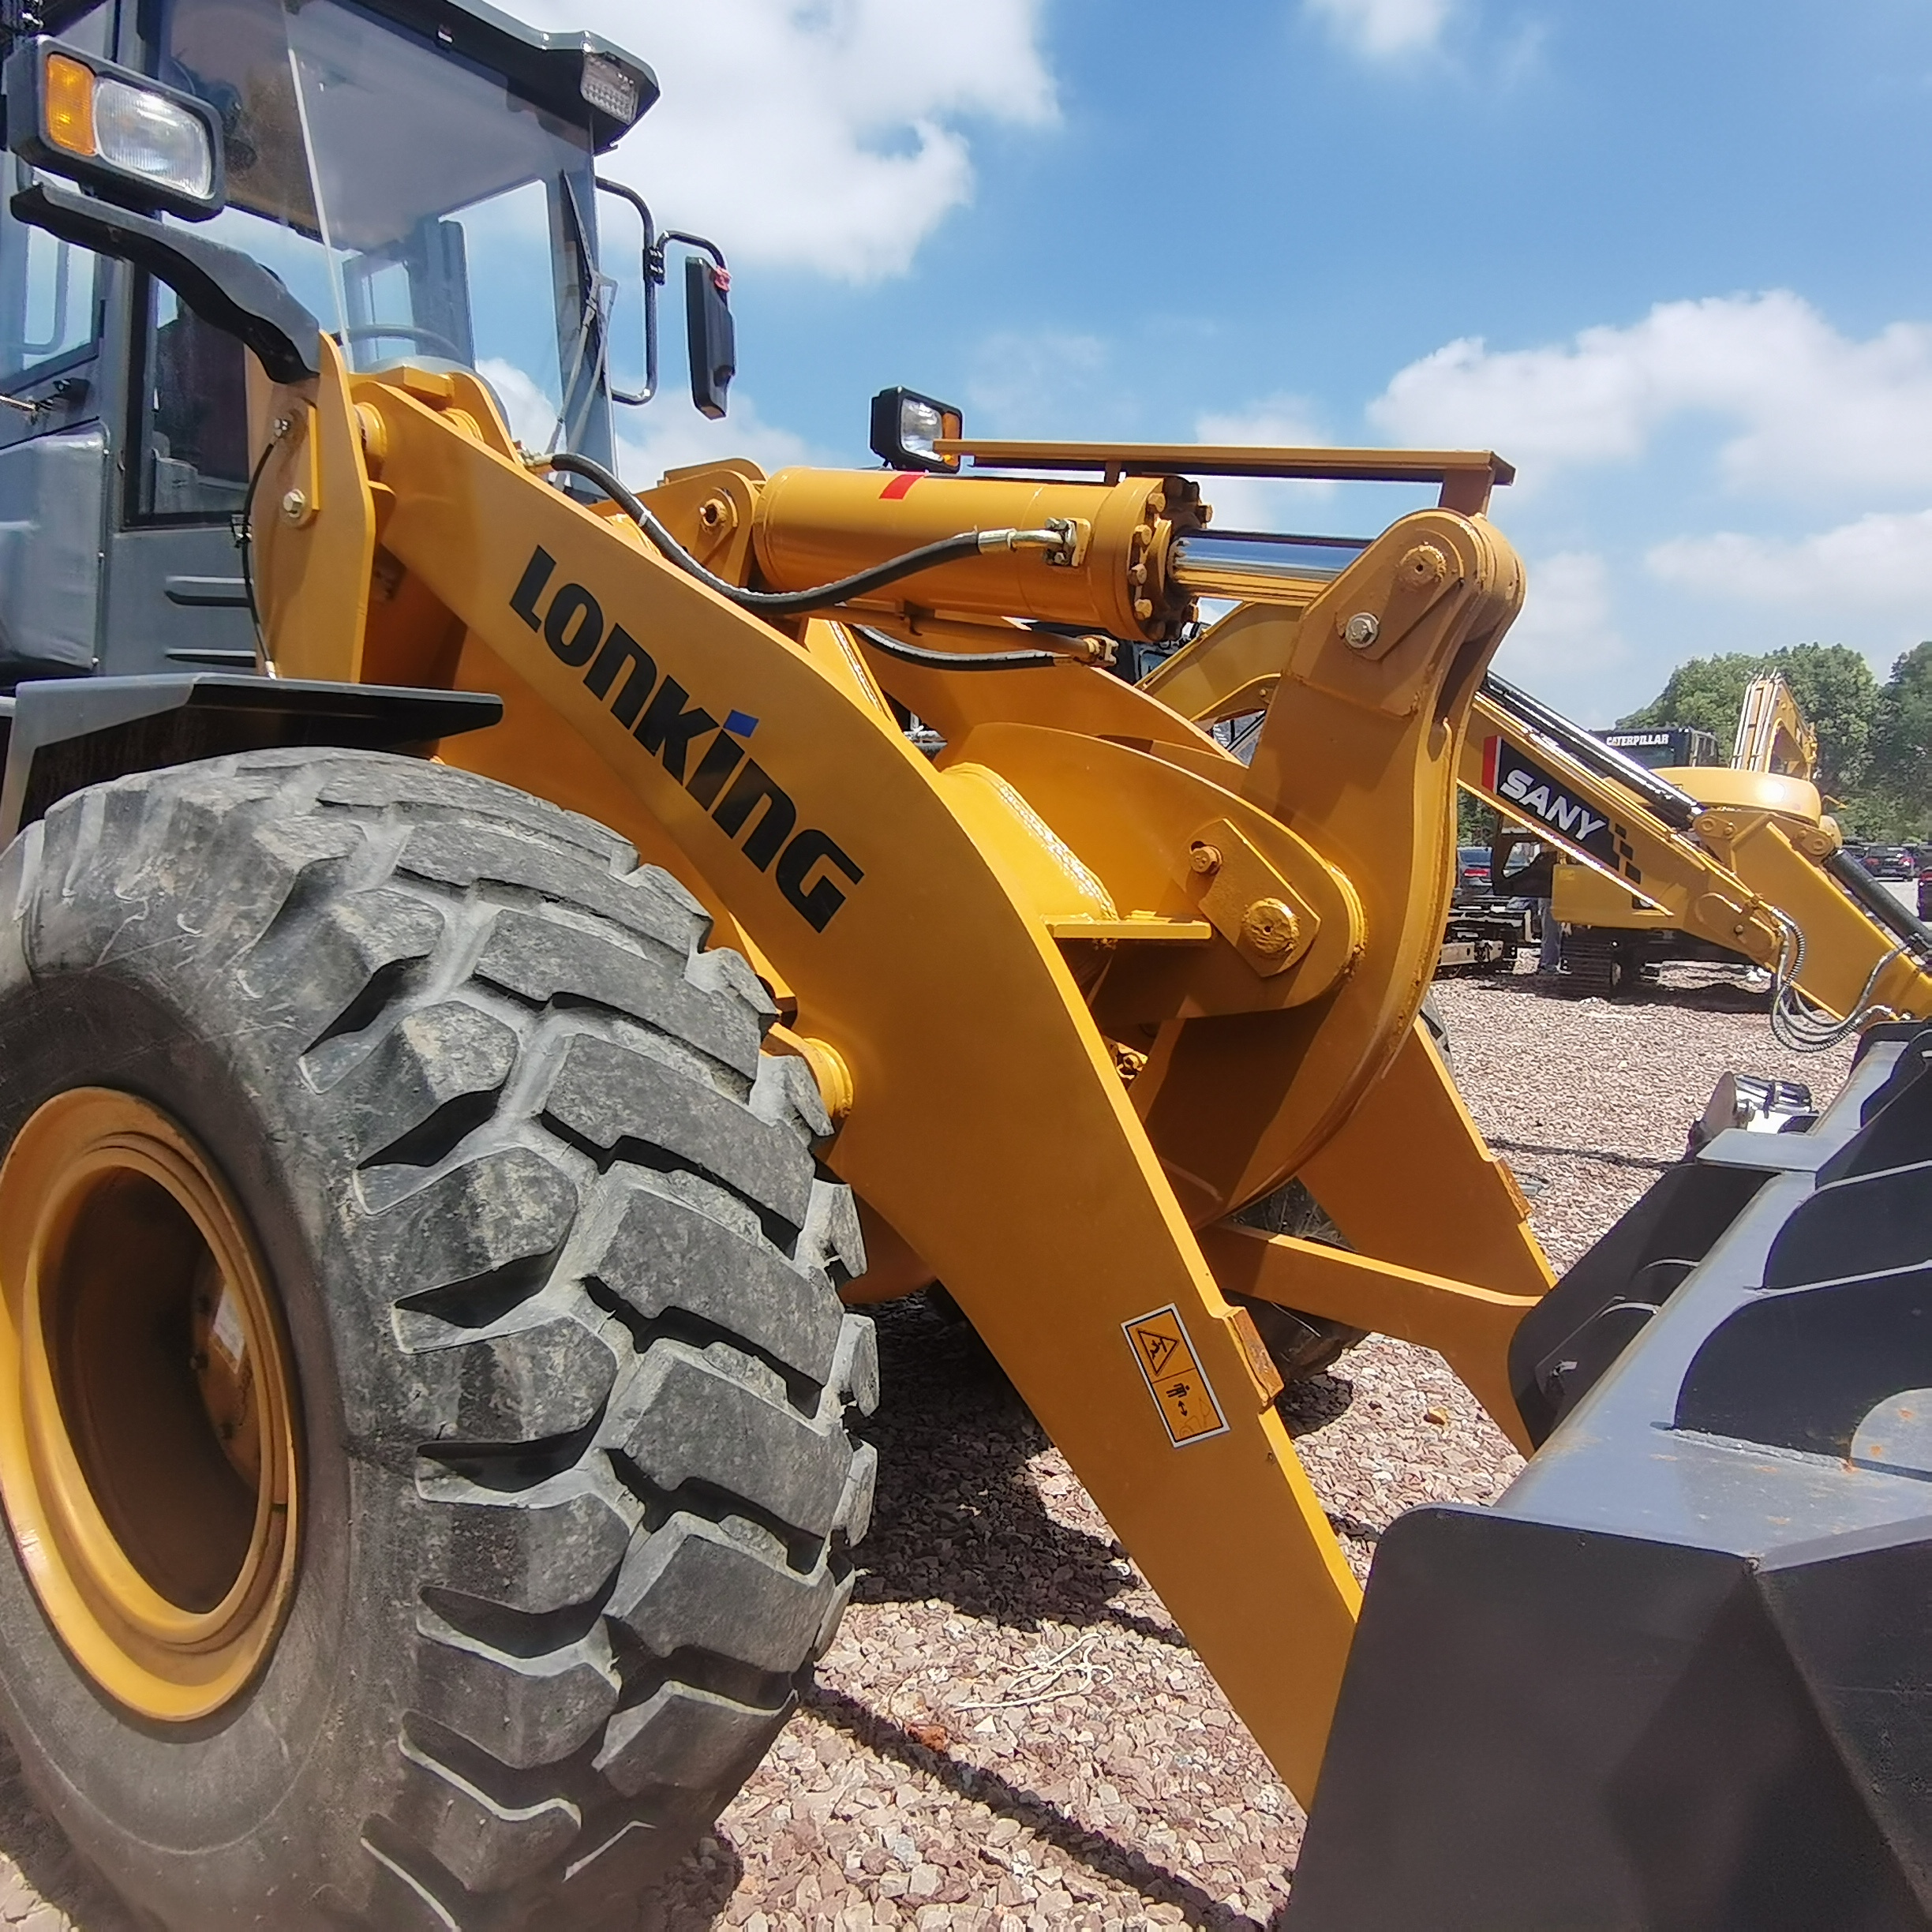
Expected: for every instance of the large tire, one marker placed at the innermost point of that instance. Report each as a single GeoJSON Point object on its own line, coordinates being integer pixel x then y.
{"type": "Point", "coordinates": [558, 1279]}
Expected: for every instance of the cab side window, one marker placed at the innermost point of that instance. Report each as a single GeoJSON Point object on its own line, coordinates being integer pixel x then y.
{"type": "Point", "coordinates": [50, 290]}
{"type": "Point", "coordinates": [194, 410]}
{"type": "Point", "coordinates": [49, 301]}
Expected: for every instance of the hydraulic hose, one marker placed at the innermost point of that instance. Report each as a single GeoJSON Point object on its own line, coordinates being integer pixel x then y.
{"type": "Point", "coordinates": [1678, 809]}
{"type": "Point", "coordinates": [961, 660]}
{"type": "Point", "coordinates": [797, 603]}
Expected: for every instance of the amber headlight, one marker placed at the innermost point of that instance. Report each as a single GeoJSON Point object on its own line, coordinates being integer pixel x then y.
{"type": "Point", "coordinates": [129, 139]}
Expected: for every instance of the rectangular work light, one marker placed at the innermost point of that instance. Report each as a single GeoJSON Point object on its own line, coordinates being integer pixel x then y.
{"type": "Point", "coordinates": [130, 140]}
{"type": "Point", "coordinates": [611, 88]}
{"type": "Point", "coordinates": [905, 425]}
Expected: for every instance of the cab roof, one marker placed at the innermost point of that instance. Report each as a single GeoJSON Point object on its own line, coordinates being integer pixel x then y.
{"type": "Point", "coordinates": [546, 68]}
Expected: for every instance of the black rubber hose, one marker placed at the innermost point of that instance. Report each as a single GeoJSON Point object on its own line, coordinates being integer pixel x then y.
{"type": "Point", "coordinates": [769, 603]}
{"type": "Point", "coordinates": [1878, 905]}
{"type": "Point", "coordinates": [961, 660]}
{"type": "Point", "coordinates": [243, 524]}
{"type": "Point", "coordinates": [1677, 808]}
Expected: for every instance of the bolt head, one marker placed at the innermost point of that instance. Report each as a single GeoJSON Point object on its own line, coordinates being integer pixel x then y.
{"type": "Point", "coordinates": [1423, 567]}
{"type": "Point", "coordinates": [1270, 927]}
{"type": "Point", "coordinates": [294, 506]}
{"type": "Point", "coordinates": [1205, 858]}
{"type": "Point", "coordinates": [1362, 630]}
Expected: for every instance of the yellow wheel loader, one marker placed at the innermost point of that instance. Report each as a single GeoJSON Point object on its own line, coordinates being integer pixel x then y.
{"type": "Point", "coordinates": [500, 968]}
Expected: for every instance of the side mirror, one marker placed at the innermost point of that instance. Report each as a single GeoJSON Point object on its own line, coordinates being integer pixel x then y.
{"type": "Point", "coordinates": [713, 339]}
{"type": "Point", "coordinates": [131, 141]}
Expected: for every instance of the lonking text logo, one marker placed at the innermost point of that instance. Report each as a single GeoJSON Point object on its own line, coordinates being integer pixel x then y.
{"type": "Point", "coordinates": [705, 756]}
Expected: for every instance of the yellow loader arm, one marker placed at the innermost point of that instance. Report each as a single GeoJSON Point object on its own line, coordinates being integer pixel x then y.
{"type": "Point", "coordinates": [1752, 865]}
{"type": "Point", "coordinates": [1078, 988]}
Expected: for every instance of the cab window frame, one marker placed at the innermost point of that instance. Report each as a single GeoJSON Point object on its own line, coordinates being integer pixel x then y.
{"type": "Point", "coordinates": [62, 20]}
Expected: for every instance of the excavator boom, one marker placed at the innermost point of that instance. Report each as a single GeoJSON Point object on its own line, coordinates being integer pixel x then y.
{"type": "Point", "coordinates": [1748, 866]}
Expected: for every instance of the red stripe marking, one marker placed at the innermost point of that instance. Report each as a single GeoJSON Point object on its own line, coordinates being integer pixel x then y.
{"type": "Point", "coordinates": [1489, 763]}
{"type": "Point", "coordinates": [899, 486]}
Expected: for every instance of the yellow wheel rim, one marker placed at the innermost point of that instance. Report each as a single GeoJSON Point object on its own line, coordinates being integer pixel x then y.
{"type": "Point", "coordinates": [148, 1432]}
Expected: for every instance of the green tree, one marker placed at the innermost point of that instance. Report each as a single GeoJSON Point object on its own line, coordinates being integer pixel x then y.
{"type": "Point", "coordinates": [1475, 822]}
{"type": "Point", "coordinates": [1831, 682]}
{"type": "Point", "coordinates": [1900, 784]}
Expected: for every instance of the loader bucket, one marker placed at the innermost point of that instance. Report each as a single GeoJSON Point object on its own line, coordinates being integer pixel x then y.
{"type": "Point", "coordinates": [1680, 1675]}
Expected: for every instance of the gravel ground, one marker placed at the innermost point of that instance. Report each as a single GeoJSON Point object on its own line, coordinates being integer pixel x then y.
{"type": "Point", "coordinates": [1010, 1733]}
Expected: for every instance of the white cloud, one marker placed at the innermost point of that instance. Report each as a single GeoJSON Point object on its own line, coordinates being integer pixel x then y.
{"type": "Point", "coordinates": [1381, 28]}
{"type": "Point", "coordinates": [1253, 503]}
{"type": "Point", "coordinates": [1810, 410]}
{"type": "Point", "coordinates": [665, 435]}
{"type": "Point", "coordinates": [531, 414]}
{"type": "Point", "coordinates": [670, 435]}
{"type": "Point", "coordinates": [819, 134]}
{"type": "Point", "coordinates": [1565, 646]}
{"type": "Point", "coordinates": [1881, 563]}
{"type": "Point", "coordinates": [1022, 377]}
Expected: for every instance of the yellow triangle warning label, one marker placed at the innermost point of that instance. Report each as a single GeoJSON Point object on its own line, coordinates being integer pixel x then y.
{"type": "Point", "coordinates": [1181, 1391]}
{"type": "Point", "coordinates": [1156, 1347]}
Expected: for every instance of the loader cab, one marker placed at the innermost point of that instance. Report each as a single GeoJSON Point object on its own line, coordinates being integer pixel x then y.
{"type": "Point", "coordinates": [421, 174]}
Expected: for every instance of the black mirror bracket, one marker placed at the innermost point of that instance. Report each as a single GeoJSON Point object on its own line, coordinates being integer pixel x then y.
{"type": "Point", "coordinates": [227, 288]}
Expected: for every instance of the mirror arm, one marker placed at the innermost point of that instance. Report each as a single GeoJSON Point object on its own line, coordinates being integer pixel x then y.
{"type": "Point", "coordinates": [231, 290]}
{"type": "Point", "coordinates": [692, 242]}
{"type": "Point", "coordinates": [656, 248]}
{"type": "Point", "coordinates": [654, 280]}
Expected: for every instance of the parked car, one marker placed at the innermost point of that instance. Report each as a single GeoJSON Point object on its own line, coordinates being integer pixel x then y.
{"type": "Point", "coordinates": [1899, 872]}
{"type": "Point", "coordinates": [1472, 872]}
{"type": "Point", "coordinates": [1888, 862]}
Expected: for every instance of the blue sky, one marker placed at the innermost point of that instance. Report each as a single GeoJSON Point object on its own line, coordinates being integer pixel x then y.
{"type": "Point", "coordinates": [1669, 259]}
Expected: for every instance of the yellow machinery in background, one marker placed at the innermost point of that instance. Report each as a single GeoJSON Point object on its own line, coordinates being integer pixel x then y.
{"type": "Point", "coordinates": [1717, 862]}
{"type": "Point", "coordinates": [464, 1066]}
{"type": "Point", "coordinates": [1773, 734]}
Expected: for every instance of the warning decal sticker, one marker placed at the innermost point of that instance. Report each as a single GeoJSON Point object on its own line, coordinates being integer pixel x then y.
{"type": "Point", "coordinates": [1180, 1392]}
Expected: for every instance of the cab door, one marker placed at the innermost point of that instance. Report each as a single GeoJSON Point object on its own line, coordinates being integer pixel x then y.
{"type": "Point", "coordinates": [177, 595]}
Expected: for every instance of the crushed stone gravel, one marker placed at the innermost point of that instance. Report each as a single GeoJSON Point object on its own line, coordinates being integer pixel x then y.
{"type": "Point", "coordinates": [1010, 1734]}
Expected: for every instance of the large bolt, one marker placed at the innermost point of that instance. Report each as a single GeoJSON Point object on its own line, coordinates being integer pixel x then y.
{"type": "Point", "coordinates": [1362, 630]}
{"type": "Point", "coordinates": [1269, 927]}
{"type": "Point", "coordinates": [294, 507]}
{"type": "Point", "coordinates": [1205, 858]}
{"type": "Point", "coordinates": [1423, 567]}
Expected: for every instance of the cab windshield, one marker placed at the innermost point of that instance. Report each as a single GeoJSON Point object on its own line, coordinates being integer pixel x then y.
{"type": "Point", "coordinates": [422, 211]}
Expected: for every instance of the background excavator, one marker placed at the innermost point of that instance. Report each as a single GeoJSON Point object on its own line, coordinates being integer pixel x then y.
{"type": "Point", "coordinates": [1704, 862]}
{"type": "Point", "coordinates": [501, 968]}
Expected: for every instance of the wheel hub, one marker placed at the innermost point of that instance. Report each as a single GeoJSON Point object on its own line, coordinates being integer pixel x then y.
{"type": "Point", "coordinates": [149, 1463]}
